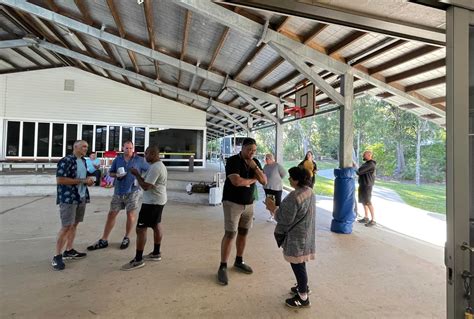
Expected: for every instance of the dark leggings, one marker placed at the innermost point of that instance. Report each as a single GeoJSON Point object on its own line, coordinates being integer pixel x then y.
{"type": "Point", "coordinates": [301, 276]}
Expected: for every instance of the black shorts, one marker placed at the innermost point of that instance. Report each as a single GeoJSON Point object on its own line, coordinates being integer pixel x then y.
{"type": "Point", "coordinates": [365, 195]}
{"type": "Point", "coordinates": [276, 193]}
{"type": "Point", "coordinates": [150, 215]}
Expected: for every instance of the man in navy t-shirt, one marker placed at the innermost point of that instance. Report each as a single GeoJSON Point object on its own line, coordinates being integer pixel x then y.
{"type": "Point", "coordinates": [242, 171]}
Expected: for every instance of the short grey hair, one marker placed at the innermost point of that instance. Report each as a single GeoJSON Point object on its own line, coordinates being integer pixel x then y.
{"type": "Point", "coordinates": [78, 143]}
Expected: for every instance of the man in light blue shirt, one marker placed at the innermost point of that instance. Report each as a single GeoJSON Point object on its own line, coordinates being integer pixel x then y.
{"type": "Point", "coordinates": [126, 194]}
{"type": "Point", "coordinates": [93, 167]}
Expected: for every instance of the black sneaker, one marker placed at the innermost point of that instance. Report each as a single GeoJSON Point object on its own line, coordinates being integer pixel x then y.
{"type": "Point", "coordinates": [98, 245]}
{"type": "Point", "coordinates": [364, 220]}
{"type": "Point", "coordinates": [294, 289]}
{"type": "Point", "coordinates": [297, 302]}
{"type": "Point", "coordinates": [73, 254]}
{"type": "Point", "coordinates": [222, 276]}
{"type": "Point", "coordinates": [370, 224]}
{"type": "Point", "coordinates": [243, 267]}
{"type": "Point", "coordinates": [58, 263]}
{"type": "Point", "coordinates": [125, 243]}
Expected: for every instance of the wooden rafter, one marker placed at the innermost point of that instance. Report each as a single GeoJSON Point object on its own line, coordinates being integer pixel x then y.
{"type": "Point", "coordinates": [40, 31]}
{"type": "Point", "coordinates": [415, 71]}
{"type": "Point", "coordinates": [425, 84]}
{"type": "Point", "coordinates": [283, 24]}
{"type": "Point", "coordinates": [293, 75]}
{"type": "Point", "coordinates": [42, 55]}
{"type": "Point", "coordinates": [26, 56]}
{"type": "Point", "coordinates": [148, 8]}
{"type": "Point", "coordinates": [252, 56]}
{"type": "Point", "coordinates": [345, 42]}
{"type": "Point", "coordinates": [12, 64]}
{"type": "Point", "coordinates": [218, 49]}
{"type": "Point", "coordinates": [86, 18]}
{"type": "Point", "coordinates": [121, 29]}
{"type": "Point", "coordinates": [184, 44]}
{"type": "Point", "coordinates": [279, 61]}
{"type": "Point", "coordinates": [438, 100]}
{"type": "Point", "coordinates": [376, 53]}
{"type": "Point", "coordinates": [403, 58]}
{"type": "Point", "coordinates": [314, 33]}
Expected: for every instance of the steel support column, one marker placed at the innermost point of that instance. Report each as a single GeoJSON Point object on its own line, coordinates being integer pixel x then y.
{"type": "Point", "coordinates": [458, 192]}
{"type": "Point", "coordinates": [346, 133]}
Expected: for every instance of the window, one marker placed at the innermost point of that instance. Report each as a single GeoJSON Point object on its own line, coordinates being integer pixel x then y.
{"type": "Point", "coordinates": [100, 138]}
{"type": "Point", "coordinates": [87, 134]}
{"type": "Point", "coordinates": [127, 135]}
{"type": "Point", "coordinates": [13, 138]}
{"type": "Point", "coordinates": [58, 135]}
{"type": "Point", "coordinates": [71, 137]}
{"type": "Point", "coordinates": [178, 141]}
{"type": "Point", "coordinates": [43, 139]}
{"type": "Point", "coordinates": [28, 139]}
{"type": "Point", "coordinates": [114, 136]}
{"type": "Point", "coordinates": [139, 139]}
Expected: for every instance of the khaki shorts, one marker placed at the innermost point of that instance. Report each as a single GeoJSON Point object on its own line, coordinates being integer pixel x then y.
{"type": "Point", "coordinates": [237, 216]}
{"type": "Point", "coordinates": [72, 213]}
{"type": "Point", "coordinates": [129, 202]}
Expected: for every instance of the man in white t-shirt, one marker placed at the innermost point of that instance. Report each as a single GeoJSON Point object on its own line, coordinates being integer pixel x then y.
{"type": "Point", "coordinates": [154, 199]}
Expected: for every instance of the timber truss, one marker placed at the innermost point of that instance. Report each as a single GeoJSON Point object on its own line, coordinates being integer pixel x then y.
{"type": "Point", "coordinates": [235, 64]}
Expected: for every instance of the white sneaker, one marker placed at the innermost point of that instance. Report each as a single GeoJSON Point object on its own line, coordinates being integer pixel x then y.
{"type": "Point", "coordinates": [271, 220]}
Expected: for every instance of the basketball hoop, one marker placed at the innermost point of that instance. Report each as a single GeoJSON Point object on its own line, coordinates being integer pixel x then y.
{"type": "Point", "coordinates": [296, 111]}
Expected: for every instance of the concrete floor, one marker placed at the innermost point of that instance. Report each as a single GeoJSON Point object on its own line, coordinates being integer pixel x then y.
{"type": "Point", "coordinates": [372, 273]}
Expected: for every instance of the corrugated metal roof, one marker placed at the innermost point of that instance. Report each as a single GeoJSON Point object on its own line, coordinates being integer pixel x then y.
{"type": "Point", "coordinates": [234, 57]}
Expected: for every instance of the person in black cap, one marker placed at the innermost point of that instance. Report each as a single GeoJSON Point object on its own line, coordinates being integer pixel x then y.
{"type": "Point", "coordinates": [242, 171]}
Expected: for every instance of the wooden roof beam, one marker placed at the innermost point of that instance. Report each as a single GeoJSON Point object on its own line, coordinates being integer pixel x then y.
{"type": "Point", "coordinates": [184, 44]}
{"type": "Point", "coordinates": [314, 33]}
{"type": "Point", "coordinates": [219, 47]}
{"type": "Point", "coordinates": [375, 53]}
{"type": "Point", "coordinates": [403, 58]}
{"type": "Point", "coordinates": [345, 42]}
{"type": "Point", "coordinates": [279, 61]}
{"type": "Point", "coordinates": [121, 29]}
{"type": "Point", "coordinates": [148, 9]}
{"type": "Point", "coordinates": [415, 71]}
{"type": "Point", "coordinates": [425, 84]}
{"type": "Point", "coordinates": [26, 56]}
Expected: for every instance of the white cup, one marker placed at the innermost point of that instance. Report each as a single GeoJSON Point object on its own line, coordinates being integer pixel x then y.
{"type": "Point", "coordinates": [121, 170]}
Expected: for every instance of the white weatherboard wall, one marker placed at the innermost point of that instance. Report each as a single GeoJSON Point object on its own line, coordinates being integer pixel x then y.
{"type": "Point", "coordinates": [40, 95]}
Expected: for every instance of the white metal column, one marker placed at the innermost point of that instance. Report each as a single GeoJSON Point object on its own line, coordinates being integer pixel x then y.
{"type": "Point", "coordinates": [458, 190]}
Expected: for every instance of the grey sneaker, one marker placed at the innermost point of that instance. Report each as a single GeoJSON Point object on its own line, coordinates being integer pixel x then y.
{"type": "Point", "coordinates": [133, 264]}
{"type": "Point", "coordinates": [153, 257]}
{"type": "Point", "coordinates": [243, 267]}
{"type": "Point", "coordinates": [364, 220]}
{"type": "Point", "coordinates": [222, 276]}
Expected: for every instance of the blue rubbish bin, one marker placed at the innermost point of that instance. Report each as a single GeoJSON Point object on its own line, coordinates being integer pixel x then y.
{"type": "Point", "coordinates": [343, 210]}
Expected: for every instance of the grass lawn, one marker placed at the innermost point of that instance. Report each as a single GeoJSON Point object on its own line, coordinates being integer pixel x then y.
{"type": "Point", "coordinates": [430, 197]}
{"type": "Point", "coordinates": [323, 186]}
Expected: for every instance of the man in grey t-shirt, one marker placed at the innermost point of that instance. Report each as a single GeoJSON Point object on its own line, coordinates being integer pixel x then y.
{"type": "Point", "coordinates": [154, 199]}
